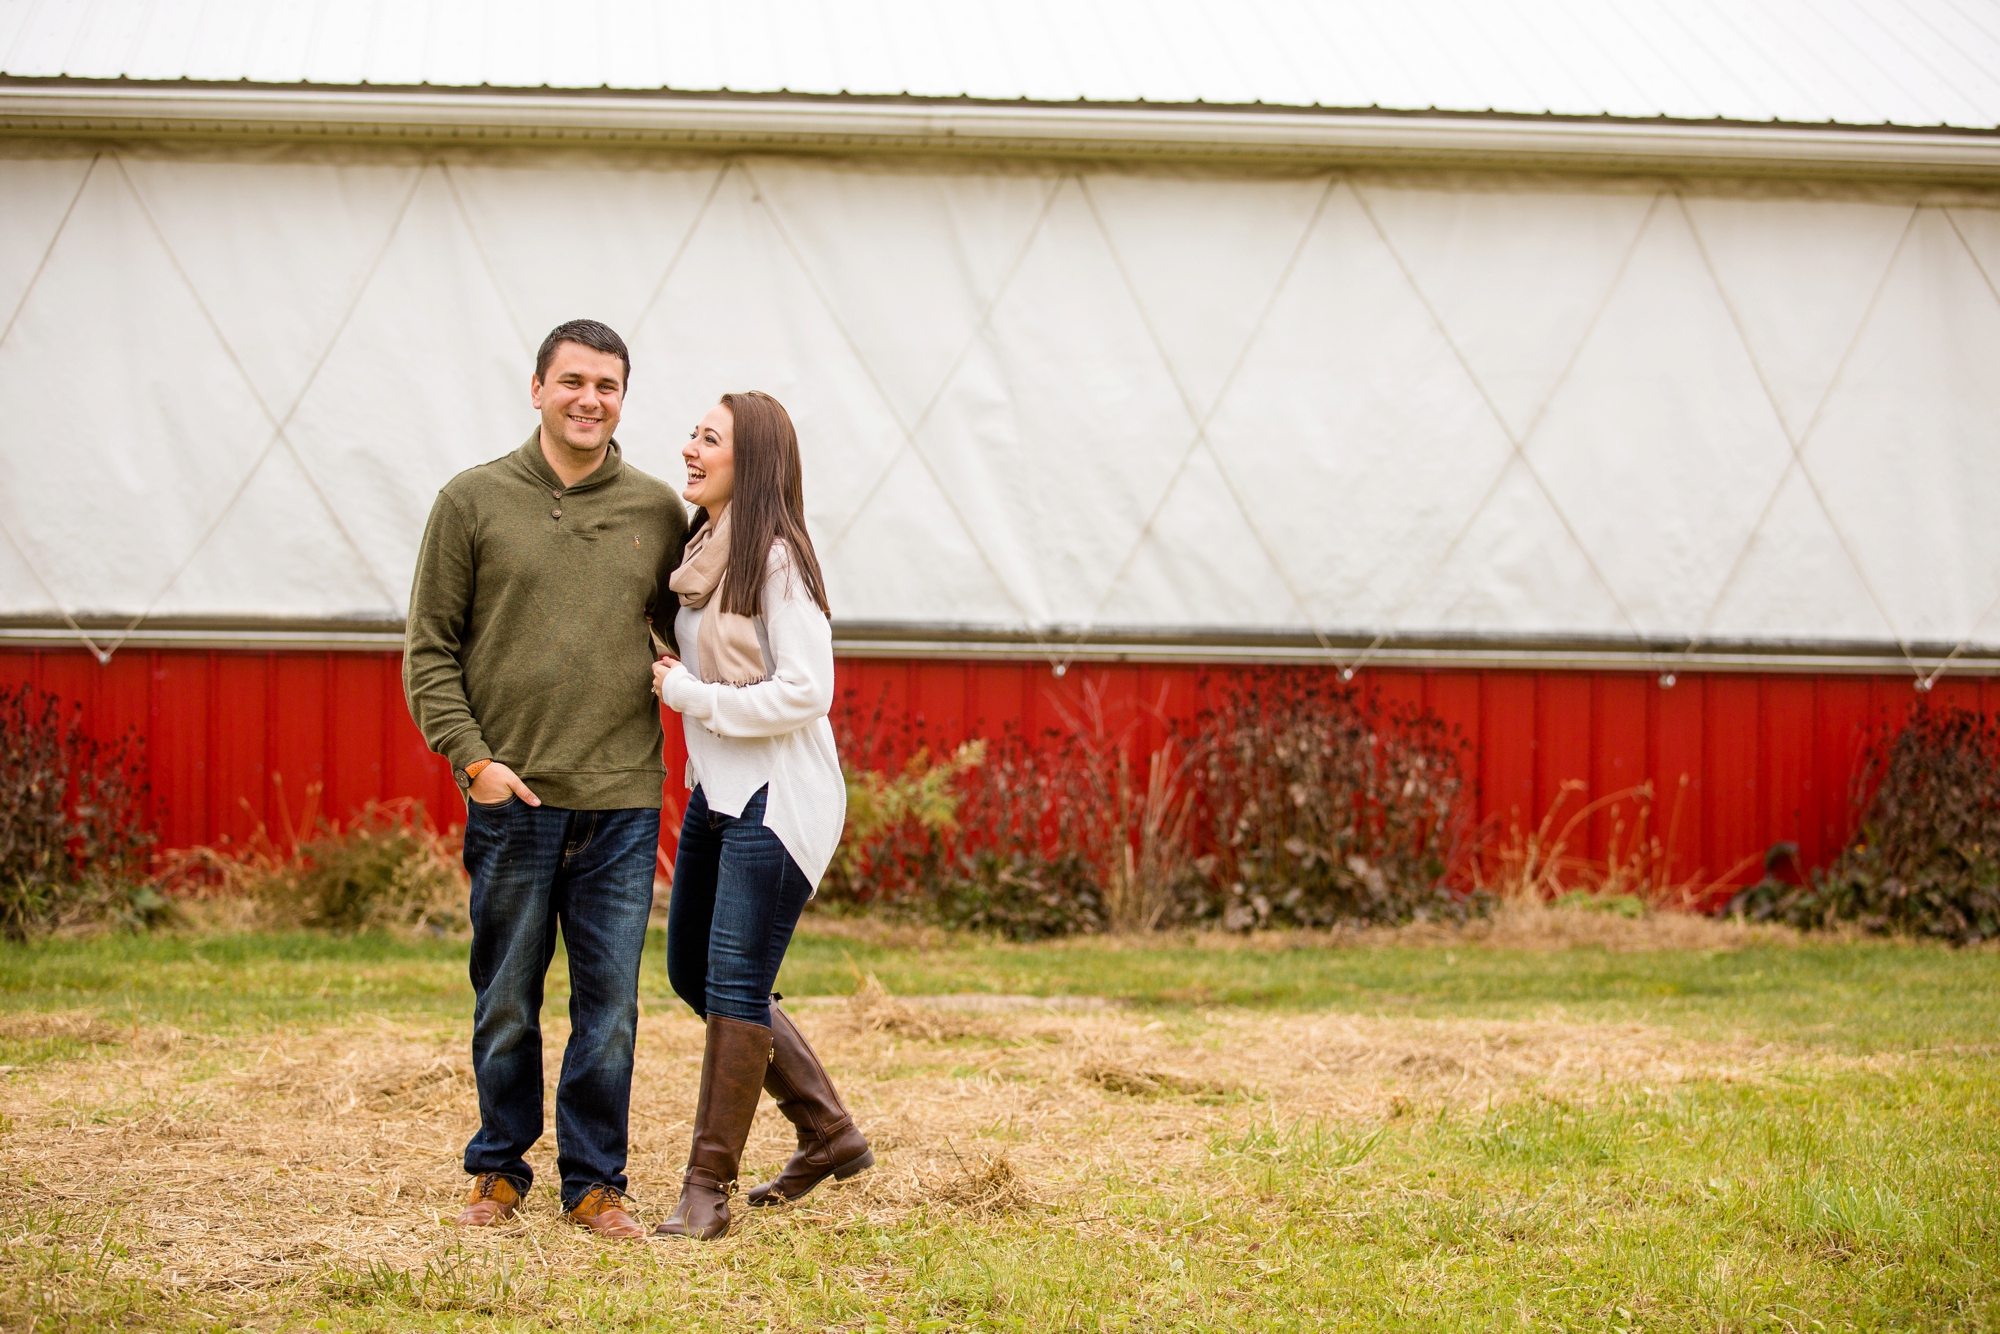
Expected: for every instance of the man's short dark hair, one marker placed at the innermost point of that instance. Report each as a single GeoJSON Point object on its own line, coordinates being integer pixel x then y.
{"type": "Point", "coordinates": [585, 333]}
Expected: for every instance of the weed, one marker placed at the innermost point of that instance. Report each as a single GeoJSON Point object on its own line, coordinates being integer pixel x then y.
{"type": "Point", "coordinates": [1021, 896]}
{"type": "Point", "coordinates": [387, 867]}
{"type": "Point", "coordinates": [1637, 873]}
{"type": "Point", "coordinates": [1327, 804]}
{"type": "Point", "coordinates": [1926, 858]}
{"type": "Point", "coordinates": [1847, 1217]}
{"type": "Point", "coordinates": [1308, 1148]}
{"type": "Point", "coordinates": [73, 838]}
{"type": "Point", "coordinates": [897, 824]}
{"type": "Point", "coordinates": [454, 1281]}
{"type": "Point", "coordinates": [1547, 1133]}
{"type": "Point", "coordinates": [63, 1273]}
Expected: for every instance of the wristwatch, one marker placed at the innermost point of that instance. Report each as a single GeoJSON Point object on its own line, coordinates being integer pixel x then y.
{"type": "Point", "coordinates": [471, 771]}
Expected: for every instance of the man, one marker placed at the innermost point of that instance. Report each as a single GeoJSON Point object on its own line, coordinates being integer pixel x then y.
{"type": "Point", "coordinates": [528, 664]}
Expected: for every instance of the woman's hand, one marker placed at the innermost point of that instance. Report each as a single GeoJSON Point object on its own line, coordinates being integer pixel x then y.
{"type": "Point", "coordinates": [666, 664]}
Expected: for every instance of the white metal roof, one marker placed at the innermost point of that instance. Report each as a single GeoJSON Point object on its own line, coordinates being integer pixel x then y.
{"type": "Point", "coordinates": [1855, 62]}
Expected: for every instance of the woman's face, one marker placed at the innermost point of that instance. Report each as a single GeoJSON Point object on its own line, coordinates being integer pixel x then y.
{"type": "Point", "coordinates": [710, 455]}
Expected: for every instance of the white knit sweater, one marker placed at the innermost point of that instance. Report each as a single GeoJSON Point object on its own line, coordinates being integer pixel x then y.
{"type": "Point", "coordinates": [775, 733]}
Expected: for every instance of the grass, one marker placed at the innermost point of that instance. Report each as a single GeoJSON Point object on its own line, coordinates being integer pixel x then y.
{"type": "Point", "coordinates": [261, 1131]}
{"type": "Point", "coordinates": [1853, 997]}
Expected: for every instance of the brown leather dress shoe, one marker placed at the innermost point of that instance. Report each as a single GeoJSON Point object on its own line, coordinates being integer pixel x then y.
{"type": "Point", "coordinates": [830, 1145]}
{"type": "Point", "coordinates": [602, 1210]}
{"type": "Point", "coordinates": [494, 1200]}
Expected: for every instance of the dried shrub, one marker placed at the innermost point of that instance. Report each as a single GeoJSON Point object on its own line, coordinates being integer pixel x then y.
{"type": "Point", "coordinates": [1318, 804]}
{"type": "Point", "coordinates": [386, 868]}
{"type": "Point", "coordinates": [1134, 838]}
{"type": "Point", "coordinates": [1020, 895]}
{"type": "Point", "coordinates": [1326, 805]}
{"type": "Point", "coordinates": [1636, 875]}
{"type": "Point", "coordinates": [898, 824]}
{"type": "Point", "coordinates": [1926, 858]}
{"type": "Point", "coordinates": [73, 837]}
{"type": "Point", "coordinates": [981, 840]}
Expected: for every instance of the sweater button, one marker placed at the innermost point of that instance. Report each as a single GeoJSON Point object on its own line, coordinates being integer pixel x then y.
{"type": "Point", "coordinates": [555, 513]}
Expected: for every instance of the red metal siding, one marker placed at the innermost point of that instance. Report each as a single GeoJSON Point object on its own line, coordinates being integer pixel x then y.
{"type": "Point", "coordinates": [1765, 757]}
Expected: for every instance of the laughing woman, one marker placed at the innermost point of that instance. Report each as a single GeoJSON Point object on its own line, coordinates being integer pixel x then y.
{"type": "Point", "coordinates": [767, 804]}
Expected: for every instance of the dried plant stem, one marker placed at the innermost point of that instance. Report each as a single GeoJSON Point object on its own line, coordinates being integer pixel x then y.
{"type": "Point", "coordinates": [1535, 867]}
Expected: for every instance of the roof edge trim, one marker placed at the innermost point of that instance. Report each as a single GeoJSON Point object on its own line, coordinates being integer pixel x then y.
{"type": "Point", "coordinates": [61, 107]}
{"type": "Point", "coordinates": [1194, 645]}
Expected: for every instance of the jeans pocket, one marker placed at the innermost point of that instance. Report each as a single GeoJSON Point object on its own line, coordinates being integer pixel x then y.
{"type": "Point", "coordinates": [499, 805]}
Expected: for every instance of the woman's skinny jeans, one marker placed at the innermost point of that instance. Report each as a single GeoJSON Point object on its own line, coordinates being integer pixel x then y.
{"type": "Point", "coordinates": [737, 896]}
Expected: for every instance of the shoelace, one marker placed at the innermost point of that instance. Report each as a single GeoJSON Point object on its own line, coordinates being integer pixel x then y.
{"type": "Point", "coordinates": [605, 1197]}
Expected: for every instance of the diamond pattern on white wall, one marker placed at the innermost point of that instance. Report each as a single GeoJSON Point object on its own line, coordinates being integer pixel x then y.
{"type": "Point", "coordinates": [1799, 276]}
{"type": "Point", "coordinates": [425, 379]}
{"type": "Point", "coordinates": [38, 194]}
{"type": "Point", "coordinates": [1200, 564]}
{"type": "Point", "coordinates": [278, 252]}
{"type": "Point", "coordinates": [1517, 278]}
{"type": "Point", "coordinates": [1515, 570]}
{"type": "Point", "coordinates": [611, 264]}
{"type": "Point", "coordinates": [277, 516]}
{"type": "Point", "coordinates": [1204, 264]}
{"type": "Point", "coordinates": [1661, 446]}
{"type": "Point", "coordinates": [1980, 230]}
{"type": "Point", "coordinates": [621, 229]}
{"type": "Point", "coordinates": [911, 263]}
{"type": "Point", "coordinates": [914, 560]}
{"type": "Point", "coordinates": [1796, 580]}
{"type": "Point", "coordinates": [111, 332]}
{"type": "Point", "coordinates": [1036, 402]}
{"type": "Point", "coordinates": [739, 313]}
{"type": "Point", "coordinates": [1352, 432]}
{"type": "Point", "coordinates": [1054, 435]}
{"type": "Point", "coordinates": [1908, 452]}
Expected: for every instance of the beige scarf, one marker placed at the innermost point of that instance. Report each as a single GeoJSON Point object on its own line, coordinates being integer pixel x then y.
{"type": "Point", "coordinates": [726, 644]}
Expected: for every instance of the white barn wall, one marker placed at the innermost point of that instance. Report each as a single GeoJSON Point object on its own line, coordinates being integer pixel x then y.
{"type": "Point", "coordinates": [1033, 400]}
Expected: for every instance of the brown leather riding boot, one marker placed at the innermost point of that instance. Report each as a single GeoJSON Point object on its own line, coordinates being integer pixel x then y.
{"type": "Point", "coordinates": [603, 1211]}
{"type": "Point", "coordinates": [830, 1145]}
{"type": "Point", "coordinates": [494, 1200]}
{"type": "Point", "coordinates": [732, 1075]}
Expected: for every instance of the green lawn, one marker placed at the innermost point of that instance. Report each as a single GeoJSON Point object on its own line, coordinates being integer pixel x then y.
{"type": "Point", "coordinates": [1855, 998]}
{"type": "Point", "coordinates": [1837, 1168]}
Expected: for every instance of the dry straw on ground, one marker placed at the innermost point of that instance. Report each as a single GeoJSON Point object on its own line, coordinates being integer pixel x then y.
{"type": "Point", "coordinates": [247, 1172]}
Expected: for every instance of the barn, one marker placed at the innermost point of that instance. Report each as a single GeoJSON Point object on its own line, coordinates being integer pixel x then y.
{"type": "Point", "coordinates": [1621, 381]}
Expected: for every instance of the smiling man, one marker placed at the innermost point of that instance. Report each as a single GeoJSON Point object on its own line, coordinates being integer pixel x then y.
{"type": "Point", "coordinates": [528, 664]}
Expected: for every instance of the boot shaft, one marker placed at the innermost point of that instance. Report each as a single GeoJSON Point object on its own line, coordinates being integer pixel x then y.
{"type": "Point", "coordinates": [800, 1085]}
{"type": "Point", "coordinates": [734, 1064]}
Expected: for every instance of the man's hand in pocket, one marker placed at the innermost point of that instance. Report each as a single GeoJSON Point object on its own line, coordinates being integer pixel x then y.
{"type": "Point", "coordinates": [496, 781]}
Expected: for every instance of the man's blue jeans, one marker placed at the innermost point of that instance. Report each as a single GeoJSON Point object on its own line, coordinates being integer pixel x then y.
{"type": "Point", "coordinates": [591, 872]}
{"type": "Point", "coordinates": [737, 896]}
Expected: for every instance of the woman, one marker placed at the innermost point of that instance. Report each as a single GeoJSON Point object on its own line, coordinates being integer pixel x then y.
{"type": "Point", "coordinates": [767, 804]}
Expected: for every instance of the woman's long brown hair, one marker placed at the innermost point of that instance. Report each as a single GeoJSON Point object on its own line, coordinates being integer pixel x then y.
{"type": "Point", "coordinates": [770, 503]}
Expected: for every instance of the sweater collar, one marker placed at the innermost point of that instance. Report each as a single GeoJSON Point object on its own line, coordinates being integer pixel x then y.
{"type": "Point", "coordinates": [529, 456]}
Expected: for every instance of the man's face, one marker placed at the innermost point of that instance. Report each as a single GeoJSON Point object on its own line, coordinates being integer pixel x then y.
{"type": "Point", "coordinates": [581, 396]}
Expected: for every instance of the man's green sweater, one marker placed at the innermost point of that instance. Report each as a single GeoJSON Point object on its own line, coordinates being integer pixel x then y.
{"type": "Point", "coordinates": [527, 638]}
